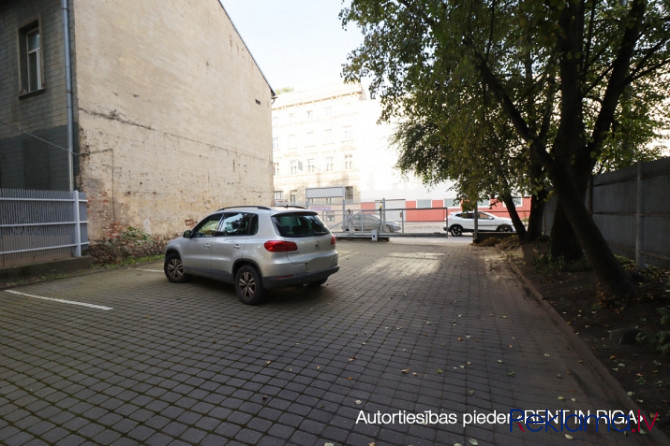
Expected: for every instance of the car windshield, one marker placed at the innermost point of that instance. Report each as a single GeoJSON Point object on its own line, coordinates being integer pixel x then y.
{"type": "Point", "coordinates": [299, 225]}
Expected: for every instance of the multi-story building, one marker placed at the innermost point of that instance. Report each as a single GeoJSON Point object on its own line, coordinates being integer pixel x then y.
{"type": "Point", "coordinates": [154, 108]}
{"type": "Point", "coordinates": [331, 139]}
{"type": "Point", "coordinates": [317, 139]}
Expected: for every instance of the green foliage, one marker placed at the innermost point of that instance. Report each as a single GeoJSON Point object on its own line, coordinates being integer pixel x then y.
{"type": "Point", "coordinates": [507, 95]}
{"type": "Point", "coordinates": [135, 236]}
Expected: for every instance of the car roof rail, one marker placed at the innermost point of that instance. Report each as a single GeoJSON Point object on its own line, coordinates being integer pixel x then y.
{"type": "Point", "coordinates": [246, 206]}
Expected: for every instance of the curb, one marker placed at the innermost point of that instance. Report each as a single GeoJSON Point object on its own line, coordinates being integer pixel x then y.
{"type": "Point", "coordinates": [577, 344]}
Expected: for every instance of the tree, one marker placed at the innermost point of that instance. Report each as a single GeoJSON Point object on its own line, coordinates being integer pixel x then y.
{"type": "Point", "coordinates": [567, 75]}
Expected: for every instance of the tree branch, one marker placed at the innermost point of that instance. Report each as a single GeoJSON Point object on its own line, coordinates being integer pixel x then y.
{"type": "Point", "coordinates": [619, 76]}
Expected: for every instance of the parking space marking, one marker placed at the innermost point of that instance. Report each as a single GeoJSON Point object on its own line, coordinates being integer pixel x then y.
{"type": "Point", "coordinates": [62, 301]}
{"type": "Point", "coordinates": [151, 270]}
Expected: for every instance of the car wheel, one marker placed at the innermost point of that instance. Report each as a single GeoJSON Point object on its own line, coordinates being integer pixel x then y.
{"type": "Point", "coordinates": [174, 268]}
{"type": "Point", "coordinates": [456, 230]}
{"type": "Point", "coordinates": [248, 285]}
{"type": "Point", "coordinates": [504, 228]}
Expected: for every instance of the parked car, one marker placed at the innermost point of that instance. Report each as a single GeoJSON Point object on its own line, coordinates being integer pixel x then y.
{"type": "Point", "coordinates": [460, 222]}
{"type": "Point", "coordinates": [255, 248]}
{"type": "Point", "coordinates": [368, 222]}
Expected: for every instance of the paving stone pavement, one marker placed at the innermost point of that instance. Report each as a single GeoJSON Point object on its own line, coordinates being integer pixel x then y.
{"type": "Point", "coordinates": [432, 328]}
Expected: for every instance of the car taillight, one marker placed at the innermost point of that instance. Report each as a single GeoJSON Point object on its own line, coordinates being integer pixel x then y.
{"type": "Point", "coordinates": [332, 240]}
{"type": "Point", "coordinates": [280, 246]}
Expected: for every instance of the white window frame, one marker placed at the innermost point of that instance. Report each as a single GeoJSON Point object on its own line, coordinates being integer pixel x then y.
{"type": "Point", "coordinates": [31, 61]}
{"type": "Point", "coordinates": [348, 162]}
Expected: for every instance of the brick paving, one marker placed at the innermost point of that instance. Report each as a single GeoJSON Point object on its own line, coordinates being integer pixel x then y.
{"type": "Point", "coordinates": [431, 326]}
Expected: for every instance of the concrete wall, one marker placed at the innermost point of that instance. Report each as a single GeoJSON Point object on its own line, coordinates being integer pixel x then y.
{"type": "Point", "coordinates": [39, 161]}
{"type": "Point", "coordinates": [174, 115]}
{"type": "Point", "coordinates": [632, 210]}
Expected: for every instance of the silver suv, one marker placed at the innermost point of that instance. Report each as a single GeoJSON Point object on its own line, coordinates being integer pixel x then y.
{"type": "Point", "coordinates": [255, 248]}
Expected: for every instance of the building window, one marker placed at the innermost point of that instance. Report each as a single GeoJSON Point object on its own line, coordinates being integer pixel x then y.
{"type": "Point", "coordinates": [276, 168]}
{"type": "Point", "coordinates": [347, 134]}
{"type": "Point", "coordinates": [484, 204]}
{"type": "Point", "coordinates": [310, 114]}
{"type": "Point", "coordinates": [294, 196]}
{"type": "Point", "coordinates": [311, 167]}
{"type": "Point", "coordinates": [31, 64]}
{"type": "Point", "coordinates": [275, 144]}
{"type": "Point", "coordinates": [349, 193]}
{"type": "Point", "coordinates": [452, 202]}
{"type": "Point", "coordinates": [279, 195]}
{"type": "Point", "coordinates": [294, 167]}
{"type": "Point", "coordinates": [424, 204]}
{"type": "Point", "coordinates": [329, 164]}
{"type": "Point", "coordinates": [518, 202]}
{"type": "Point", "coordinates": [348, 162]}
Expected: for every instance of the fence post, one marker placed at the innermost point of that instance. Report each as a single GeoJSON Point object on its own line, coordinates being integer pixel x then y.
{"type": "Point", "coordinates": [77, 224]}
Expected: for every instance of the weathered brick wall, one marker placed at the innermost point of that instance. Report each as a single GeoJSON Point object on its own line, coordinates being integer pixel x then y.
{"type": "Point", "coordinates": [174, 115]}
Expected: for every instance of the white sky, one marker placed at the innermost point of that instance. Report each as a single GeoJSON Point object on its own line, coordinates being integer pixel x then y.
{"type": "Point", "coordinates": [296, 43]}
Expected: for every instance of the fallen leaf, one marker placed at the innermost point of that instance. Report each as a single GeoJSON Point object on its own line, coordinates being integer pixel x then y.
{"type": "Point", "coordinates": [473, 442]}
{"type": "Point", "coordinates": [405, 371]}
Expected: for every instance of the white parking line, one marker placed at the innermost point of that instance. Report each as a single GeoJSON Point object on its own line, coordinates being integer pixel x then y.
{"type": "Point", "coordinates": [151, 270]}
{"type": "Point", "coordinates": [62, 301]}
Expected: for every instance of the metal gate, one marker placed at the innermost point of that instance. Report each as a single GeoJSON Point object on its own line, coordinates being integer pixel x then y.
{"type": "Point", "coordinates": [40, 225]}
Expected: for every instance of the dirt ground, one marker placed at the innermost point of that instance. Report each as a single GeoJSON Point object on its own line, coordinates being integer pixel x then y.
{"type": "Point", "coordinates": [625, 338]}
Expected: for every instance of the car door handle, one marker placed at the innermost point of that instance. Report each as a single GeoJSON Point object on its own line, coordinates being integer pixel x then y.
{"type": "Point", "coordinates": [237, 246]}
{"type": "Point", "coordinates": [208, 245]}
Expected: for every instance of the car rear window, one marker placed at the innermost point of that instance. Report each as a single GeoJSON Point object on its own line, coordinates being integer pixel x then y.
{"type": "Point", "coordinates": [299, 225]}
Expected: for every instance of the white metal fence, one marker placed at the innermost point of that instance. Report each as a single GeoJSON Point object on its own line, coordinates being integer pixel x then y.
{"type": "Point", "coordinates": [39, 225]}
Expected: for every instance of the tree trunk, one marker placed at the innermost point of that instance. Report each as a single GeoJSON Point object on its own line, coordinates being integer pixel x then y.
{"type": "Point", "coordinates": [537, 206]}
{"type": "Point", "coordinates": [514, 215]}
{"type": "Point", "coordinates": [609, 271]}
{"type": "Point", "coordinates": [564, 243]}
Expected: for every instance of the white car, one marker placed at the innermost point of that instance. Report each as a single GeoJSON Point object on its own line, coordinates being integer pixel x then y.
{"type": "Point", "coordinates": [460, 222]}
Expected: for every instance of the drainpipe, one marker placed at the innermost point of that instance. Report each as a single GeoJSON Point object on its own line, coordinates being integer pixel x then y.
{"type": "Point", "coordinates": [68, 93]}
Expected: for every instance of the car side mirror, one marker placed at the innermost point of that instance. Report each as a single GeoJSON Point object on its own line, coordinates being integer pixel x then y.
{"type": "Point", "coordinates": [187, 234]}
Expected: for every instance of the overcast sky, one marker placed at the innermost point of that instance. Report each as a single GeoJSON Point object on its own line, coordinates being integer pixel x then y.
{"type": "Point", "coordinates": [297, 43]}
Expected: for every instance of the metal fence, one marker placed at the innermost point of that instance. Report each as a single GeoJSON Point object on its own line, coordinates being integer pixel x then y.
{"type": "Point", "coordinates": [632, 210]}
{"type": "Point", "coordinates": [38, 226]}
{"type": "Point", "coordinates": [388, 217]}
